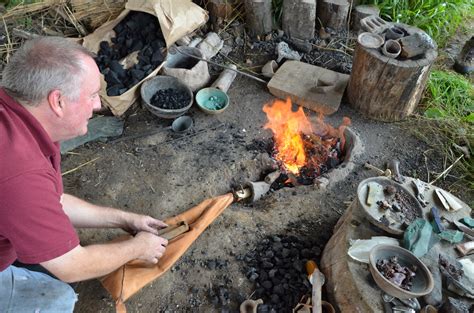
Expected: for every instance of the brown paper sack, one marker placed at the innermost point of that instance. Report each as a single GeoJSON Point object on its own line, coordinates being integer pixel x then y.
{"type": "Point", "coordinates": [177, 18]}
{"type": "Point", "coordinates": [133, 276]}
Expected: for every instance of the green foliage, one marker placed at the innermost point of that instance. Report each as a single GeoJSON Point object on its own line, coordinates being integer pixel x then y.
{"type": "Point", "coordinates": [449, 111]}
{"type": "Point", "coordinates": [14, 3]}
{"type": "Point", "coordinates": [277, 6]}
{"type": "Point", "coordinates": [438, 18]}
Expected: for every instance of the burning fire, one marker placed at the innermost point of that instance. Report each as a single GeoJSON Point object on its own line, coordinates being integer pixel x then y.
{"type": "Point", "coordinates": [299, 144]}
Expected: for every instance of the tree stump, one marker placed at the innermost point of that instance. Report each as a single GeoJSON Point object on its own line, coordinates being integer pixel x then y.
{"type": "Point", "coordinates": [299, 18]}
{"type": "Point", "coordinates": [362, 11]}
{"type": "Point", "coordinates": [333, 13]}
{"type": "Point", "coordinates": [258, 17]}
{"type": "Point", "coordinates": [219, 10]}
{"type": "Point", "coordinates": [388, 89]}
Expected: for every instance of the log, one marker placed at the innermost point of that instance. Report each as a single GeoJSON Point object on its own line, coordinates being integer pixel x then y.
{"type": "Point", "coordinates": [362, 11]}
{"type": "Point", "coordinates": [388, 89]}
{"type": "Point", "coordinates": [258, 17]}
{"type": "Point", "coordinates": [299, 18]}
{"type": "Point", "coordinates": [333, 13]}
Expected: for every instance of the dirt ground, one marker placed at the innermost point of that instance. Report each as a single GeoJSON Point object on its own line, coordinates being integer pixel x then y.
{"type": "Point", "coordinates": [170, 173]}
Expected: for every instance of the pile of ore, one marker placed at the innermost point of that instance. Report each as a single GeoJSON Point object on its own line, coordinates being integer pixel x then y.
{"type": "Point", "coordinates": [140, 32]}
{"type": "Point", "coordinates": [401, 276]}
{"type": "Point", "coordinates": [277, 267]}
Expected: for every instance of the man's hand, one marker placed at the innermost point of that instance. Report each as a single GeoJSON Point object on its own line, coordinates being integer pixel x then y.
{"type": "Point", "coordinates": [135, 223]}
{"type": "Point", "coordinates": [153, 246]}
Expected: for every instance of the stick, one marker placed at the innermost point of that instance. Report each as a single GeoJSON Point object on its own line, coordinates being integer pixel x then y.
{"type": "Point", "coordinates": [446, 170]}
{"type": "Point", "coordinates": [82, 165]}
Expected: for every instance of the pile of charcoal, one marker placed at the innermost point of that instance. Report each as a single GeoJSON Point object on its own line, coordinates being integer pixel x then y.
{"type": "Point", "coordinates": [140, 32]}
{"type": "Point", "coordinates": [401, 276]}
{"type": "Point", "coordinates": [277, 267]}
{"type": "Point", "coordinates": [170, 99]}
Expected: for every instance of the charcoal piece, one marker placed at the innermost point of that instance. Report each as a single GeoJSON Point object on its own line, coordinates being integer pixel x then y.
{"type": "Point", "coordinates": [138, 45]}
{"type": "Point", "coordinates": [113, 91]}
{"type": "Point", "coordinates": [157, 57]}
{"type": "Point", "coordinates": [267, 284]}
{"type": "Point", "coordinates": [118, 28]}
{"type": "Point", "coordinates": [143, 59]}
{"type": "Point", "coordinates": [118, 69]}
{"type": "Point", "coordinates": [112, 79]}
{"type": "Point", "coordinates": [104, 47]}
{"type": "Point", "coordinates": [146, 67]}
{"type": "Point", "coordinates": [131, 24]}
{"type": "Point", "coordinates": [137, 74]}
{"type": "Point", "coordinates": [147, 50]}
{"type": "Point", "coordinates": [129, 43]}
{"type": "Point", "coordinates": [157, 44]}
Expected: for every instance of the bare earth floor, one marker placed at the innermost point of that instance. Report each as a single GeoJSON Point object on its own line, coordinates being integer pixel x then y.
{"type": "Point", "coordinates": [174, 176]}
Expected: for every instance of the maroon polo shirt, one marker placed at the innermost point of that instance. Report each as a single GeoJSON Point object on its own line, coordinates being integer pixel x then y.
{"type": "Point", "coordinates": [33, 225]}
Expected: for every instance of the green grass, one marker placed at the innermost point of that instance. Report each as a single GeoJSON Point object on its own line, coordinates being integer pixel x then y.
{"type": "Point", "coordinates": [439, 19]}
{"type": "Point", "coordinates": [448, 118]}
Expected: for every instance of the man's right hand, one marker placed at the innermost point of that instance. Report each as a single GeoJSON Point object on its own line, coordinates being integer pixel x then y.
{"type": "Point", "coordinates": [152, 247]}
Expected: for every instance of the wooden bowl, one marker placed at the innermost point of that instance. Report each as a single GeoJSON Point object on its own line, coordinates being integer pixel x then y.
{"type": "Point", "coordinates": [422, 282]}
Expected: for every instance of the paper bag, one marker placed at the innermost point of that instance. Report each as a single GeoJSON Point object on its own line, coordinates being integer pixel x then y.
{"type": "Point", "coordinates": [176, 18]}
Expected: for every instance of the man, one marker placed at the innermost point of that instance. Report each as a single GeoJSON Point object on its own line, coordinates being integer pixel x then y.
{"type": "Point", "coordinates": [50, 88]}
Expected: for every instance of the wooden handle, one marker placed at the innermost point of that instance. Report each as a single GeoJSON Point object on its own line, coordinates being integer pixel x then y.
{"type": "Point", "coordinates": [173, 231]}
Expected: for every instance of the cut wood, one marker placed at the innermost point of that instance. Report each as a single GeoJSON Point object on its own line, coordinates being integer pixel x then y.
{"type": "Point", "coordinates": [362, 11]}
{"type": "Point", "coordinates": [388, 89]}
{"type": "Point", "coordinates": [333, 13]}
{"type": "Point", "coordinates": [258, 16]}
{"type": "Point", "coordinates": [299, 18]}
{"type": "Point", "coordinates": [313, 87]}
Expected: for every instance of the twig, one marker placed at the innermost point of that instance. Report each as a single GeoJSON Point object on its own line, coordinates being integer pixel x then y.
{"type": "Point", "coordinates": [446, 170]}
{"type": "Point", "coordinates": [82, 165]}
{"type": "Point", "coordinates": [9, 44]}
{"type": "Point", "coordinates": [332, 49]}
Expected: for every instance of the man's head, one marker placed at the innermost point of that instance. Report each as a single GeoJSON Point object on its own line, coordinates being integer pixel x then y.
{"type": "Point", "coordinates": [58, 81]}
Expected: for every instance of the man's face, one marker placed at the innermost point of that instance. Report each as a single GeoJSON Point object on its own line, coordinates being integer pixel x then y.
{"type": "Point", "coordinates": [77, 113]}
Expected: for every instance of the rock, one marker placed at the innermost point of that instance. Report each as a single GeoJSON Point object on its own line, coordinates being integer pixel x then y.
{"type": "Point", "coordinates": [453, 305]}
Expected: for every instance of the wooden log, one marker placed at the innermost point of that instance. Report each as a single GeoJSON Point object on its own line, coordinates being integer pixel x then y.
{"type": "Point", "coordinates": [258, 17]}
{"type": "Point", "coordinates": [388, 89]}
{"type": "Point", "coordinates": [299, 18]}
{"type": "Point", "coordinates": [361, 11]}
{"type": "Point", "coordinates": [333, 13]}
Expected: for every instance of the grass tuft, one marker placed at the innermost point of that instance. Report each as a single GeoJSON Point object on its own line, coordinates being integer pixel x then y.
{"type": "Point", "coordinates": [448, 118]}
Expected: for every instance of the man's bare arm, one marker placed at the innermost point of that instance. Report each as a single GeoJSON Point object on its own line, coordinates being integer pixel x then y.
{"type": "Point", "coordinates": [88, 215]}
{"type": "Point", "coordinates": [82, 263]}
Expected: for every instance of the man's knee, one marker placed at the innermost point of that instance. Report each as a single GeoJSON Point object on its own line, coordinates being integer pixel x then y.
{"type": "Point", "coordinates": [63, 294]}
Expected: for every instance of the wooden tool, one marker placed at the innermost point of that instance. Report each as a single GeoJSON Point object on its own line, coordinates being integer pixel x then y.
{"type": "Point", "coordinates": [173, 231]}
{"type": "Point", "coordinates": [317, 280]}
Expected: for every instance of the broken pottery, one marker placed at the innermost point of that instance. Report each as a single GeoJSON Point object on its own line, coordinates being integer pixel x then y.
{"type": "Point", "coordinates": [391, 49]}
{"type": "Point", "coordinates": [370, 40]}
{"type": "Point", "coordinates": [269, 69]}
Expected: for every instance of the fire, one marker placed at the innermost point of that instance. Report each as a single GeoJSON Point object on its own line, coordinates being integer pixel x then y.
{"type": "Point", "coordinates": [304, 148]}
{"type": "Point", "coordinates": [287, 127]}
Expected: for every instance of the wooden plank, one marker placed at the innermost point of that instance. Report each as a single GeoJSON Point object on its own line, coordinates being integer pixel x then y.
{"type": "Point", "coordinates": [313, 87]}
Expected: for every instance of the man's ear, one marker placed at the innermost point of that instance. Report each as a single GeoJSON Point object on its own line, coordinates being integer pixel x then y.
{"type": "Point", "coordinates": [55, 103]}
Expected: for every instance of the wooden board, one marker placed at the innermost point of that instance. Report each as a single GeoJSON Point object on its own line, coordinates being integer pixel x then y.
{"type": "Point", "coordinates": [313, 87]}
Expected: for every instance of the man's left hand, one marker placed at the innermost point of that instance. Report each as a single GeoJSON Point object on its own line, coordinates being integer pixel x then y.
{"type": "Point", "coordinates": [136, 223]}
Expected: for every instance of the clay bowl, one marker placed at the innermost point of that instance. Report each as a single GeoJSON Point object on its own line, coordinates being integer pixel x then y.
{"type": "Point", "coordinates": [422, 283]}
{"type": "Point", "coordinates": [374, 214]}
{"type": "Point", "coordinates": [160, 82]}
{"type": "Point", "coordinates": [370, 40]}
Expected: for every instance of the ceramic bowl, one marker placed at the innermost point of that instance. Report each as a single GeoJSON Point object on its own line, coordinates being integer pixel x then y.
{"type": "Point", "coordinates": [160, 82]}
{"type": "Point", "coordinates": [212, 100]}
{"type": "Point", "coordinates": [370, 40]}
{"type": "Point", "coordinates": [422, 282]}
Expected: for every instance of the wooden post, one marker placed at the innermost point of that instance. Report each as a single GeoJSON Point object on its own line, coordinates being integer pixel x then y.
{"type": "Point", "coordinates": [362, 11]}
{"type": "Point", "coordinates": [258, 16]}
{"type": "Point", "coordinates": [219, 10]}
{"type": "Point", "coordinates": [388, 89]}
{"type": "Point", "coordinates": [299, 17]}
{"type": "Point", "coordinates": [333, 13]}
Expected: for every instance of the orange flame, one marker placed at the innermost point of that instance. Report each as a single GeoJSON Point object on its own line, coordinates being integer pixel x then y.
{"type": "Point", "coordinates": [287, 127]}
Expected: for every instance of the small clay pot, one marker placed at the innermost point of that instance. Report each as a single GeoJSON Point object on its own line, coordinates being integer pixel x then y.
{"type": "Point", "coordinates": [394, 33]}
{"type": "Point", "coordinates": [391, 48]}
{"type": "Point", "coordinates": [269, 69]}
